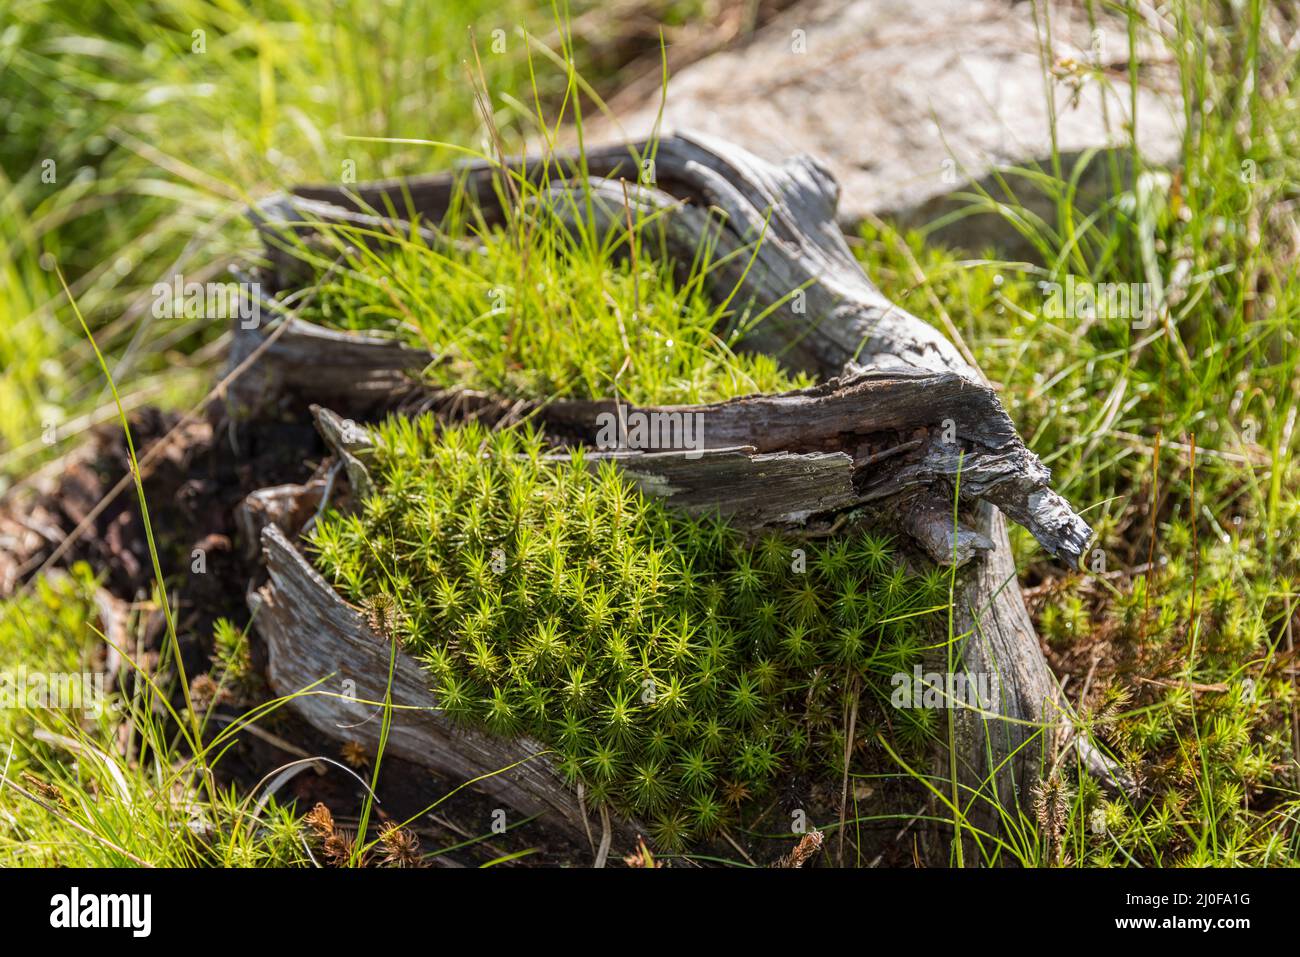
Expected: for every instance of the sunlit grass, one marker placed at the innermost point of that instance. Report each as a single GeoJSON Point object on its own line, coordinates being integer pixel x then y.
{"type": "Point", "coordinates": [1177, 442]}
{"type": "Point", "coordinates": [135, 136]}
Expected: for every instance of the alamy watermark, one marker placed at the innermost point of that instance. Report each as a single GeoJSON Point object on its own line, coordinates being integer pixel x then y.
{"type": "Point", "coordinates": [208, 300]}
{"type": "Point", "coordinates": [133, 912]}
{"type": "Point", "coordinates": [52, 690]}
{"type": "Point", "coordinates": [1133, 302]}
{"type": "Point", "coordinates": [651, 431]}
{"type": "Point", "coordinates": [934, 689]}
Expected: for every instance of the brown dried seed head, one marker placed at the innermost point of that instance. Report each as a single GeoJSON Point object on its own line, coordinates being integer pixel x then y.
{"type": "Point", "coordinates": [804, 851]}
{"type": "Point", "coordinates": [381, 614]}
{"type": "Point", "coordinates": [1052, 805]}
{"type": "Point", "coordinates": [338, 847]}
{"type": "Point", "coordinates": [355, 754]}
{"type": "Point", "coordinates": [204, 692]}
{"type": "Point", "coordinates": [320, 820]}
{"type": "Point", "coordinates": [401, 847]}
{"type": "Point", "coordinates": [43, 789]}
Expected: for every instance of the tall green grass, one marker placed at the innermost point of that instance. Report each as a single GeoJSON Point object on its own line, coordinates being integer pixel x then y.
{"type": "Point", "coordinates": [158, 124]}
{"type": "Point", "coordinates": [553, 307]}
{"type": "Point", "coordinates": [1177, 441]}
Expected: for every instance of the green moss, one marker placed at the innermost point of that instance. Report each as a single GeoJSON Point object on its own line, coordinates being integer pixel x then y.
{"type": "Point", "coordinates": [675, 668]}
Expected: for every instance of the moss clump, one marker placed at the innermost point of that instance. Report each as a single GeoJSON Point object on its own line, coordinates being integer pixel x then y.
{"type": "Point", "coordinates": [676, 669]}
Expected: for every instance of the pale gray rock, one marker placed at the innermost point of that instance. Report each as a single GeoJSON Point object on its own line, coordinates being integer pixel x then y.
{"type": "Point", "coordinates": [908, 103]}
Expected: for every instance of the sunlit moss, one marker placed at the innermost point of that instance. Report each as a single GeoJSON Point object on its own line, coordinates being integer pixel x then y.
{"type": "Point", "coordinates": [676, 668]}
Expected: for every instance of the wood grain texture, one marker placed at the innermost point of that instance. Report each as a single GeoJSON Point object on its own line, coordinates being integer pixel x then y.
{"type": "Point", "coordinates": [900, 422]}
{"type": "Point", "coordinates": [317, 641]}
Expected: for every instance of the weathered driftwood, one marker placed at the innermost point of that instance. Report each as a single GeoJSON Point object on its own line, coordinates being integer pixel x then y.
{"type": "Point", "coordinates": [317, 641]}
{"type": "Point", "coordinates": [901, 420]}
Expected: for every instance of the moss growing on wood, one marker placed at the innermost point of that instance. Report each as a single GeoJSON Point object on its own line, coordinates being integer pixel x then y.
{"type": "Point", "coordinates": [676, 669]}
{"type": "Point", "coordinates": [559, 311]}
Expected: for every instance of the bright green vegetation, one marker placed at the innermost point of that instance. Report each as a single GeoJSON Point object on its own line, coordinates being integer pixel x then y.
{"type": "Point", "coordinates": [99, 806]}
{"type": "Point", "coordinates": [159, 123]}
{"type": "Point", "coordinates": [675, 669]}
{"type": "Point", "coordinates": [543, 310]}
{"type": "Point", "coordinates": [1192, 688]}
{"type": "Point", "coordinates": [157, 148]}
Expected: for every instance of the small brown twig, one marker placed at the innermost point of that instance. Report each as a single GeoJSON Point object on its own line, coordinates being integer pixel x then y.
{"type": "Point", "coordinates": [848, 757]}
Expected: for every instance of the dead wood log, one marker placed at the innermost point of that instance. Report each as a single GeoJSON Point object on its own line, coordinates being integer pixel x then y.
{"type": "Point", "coordinates": [900, 428]}
{"type": "Point", "coordinates": [323, 650]}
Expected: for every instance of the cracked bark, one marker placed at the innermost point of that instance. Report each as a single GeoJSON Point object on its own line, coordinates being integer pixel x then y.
{"type": "Point", "coordinates": [899, 429]}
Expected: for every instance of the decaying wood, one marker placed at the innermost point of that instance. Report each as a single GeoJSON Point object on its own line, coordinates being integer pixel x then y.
{"type": "Point", "coordinates": [288, 507]}
{"type": "Point", "coordinates": [322, 362]}
{"type": "Point", "coordinates": [825, 315]}
{"type": "Point", "coordinates": [900, 419]}
{"type": "Point", "coordinates": [322, 648]}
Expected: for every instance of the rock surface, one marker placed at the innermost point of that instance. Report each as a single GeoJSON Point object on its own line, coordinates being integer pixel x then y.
{"type": "Point", "coordinates": [909, 103]}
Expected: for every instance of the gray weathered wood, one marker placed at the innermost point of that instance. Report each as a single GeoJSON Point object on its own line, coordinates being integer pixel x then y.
{"type": "Point", "coordinates": [322, 650]}
{"type": "Point", "coordinates": [900, 413]}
